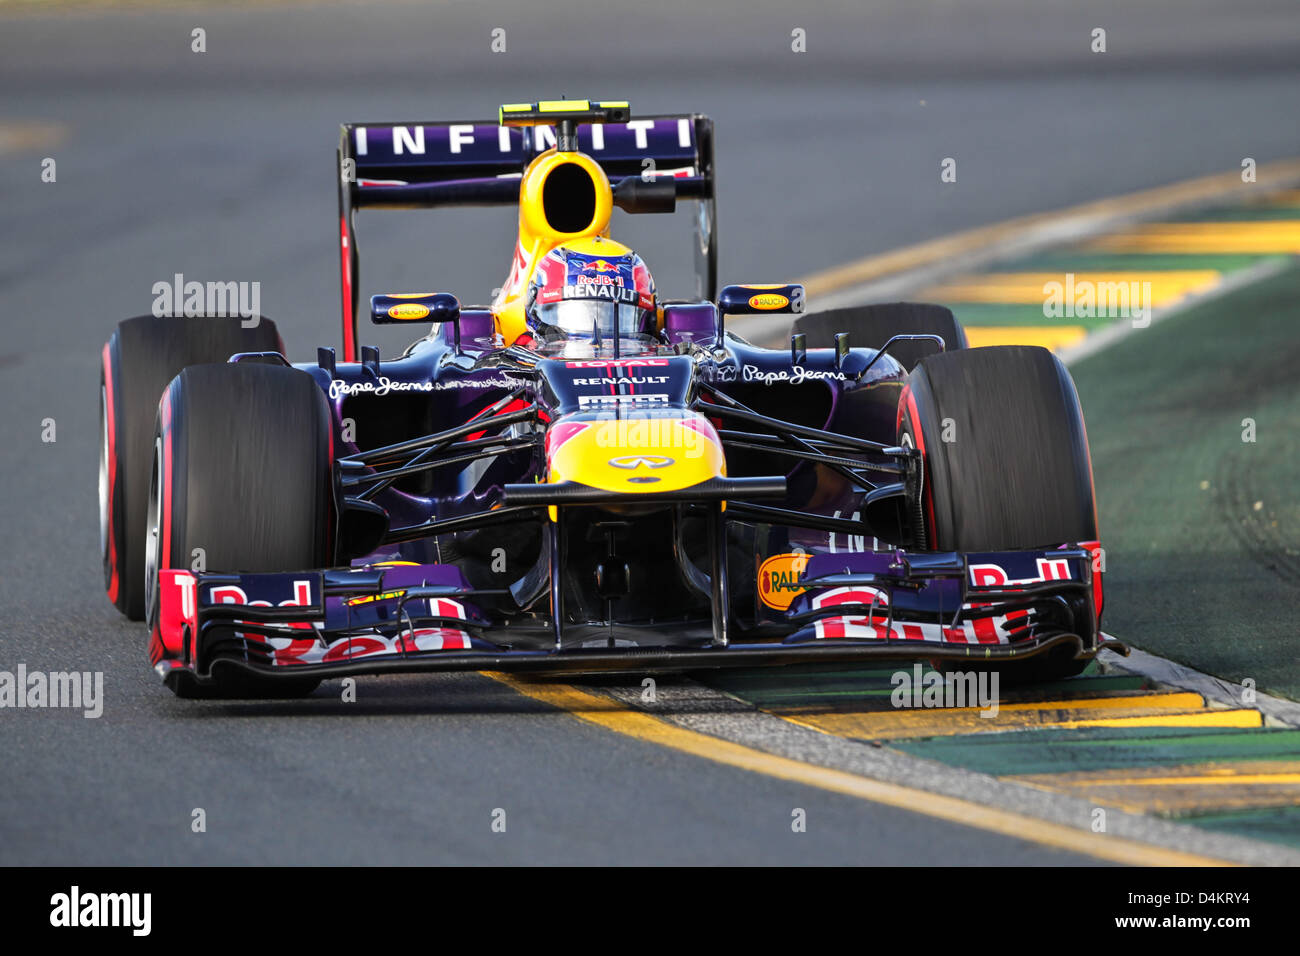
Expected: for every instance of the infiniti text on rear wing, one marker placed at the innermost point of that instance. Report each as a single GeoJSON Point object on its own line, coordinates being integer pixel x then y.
{"type": "Point", "coordinates": [427, 165]}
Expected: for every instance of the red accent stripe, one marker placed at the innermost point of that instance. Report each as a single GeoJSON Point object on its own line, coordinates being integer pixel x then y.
{"type": "Point", "coordinates": [331, 531]}
{"type": "Point", "coordinates": [165, 556]}
{"type": "Point", "coordinates": [908, 401]}
{"type": "Point", "coordinates": [986, 632]}
{"type": "Point", "coordinates": [559, 434]}
{"type": "Point", "coordinates": [349, 320]}
{"type": "Point", "coordinates": [514, 406]}
{"type": "Point", "coordinates": [114, 583]}
{"type": "Point", "coordinates": [1098, 601]}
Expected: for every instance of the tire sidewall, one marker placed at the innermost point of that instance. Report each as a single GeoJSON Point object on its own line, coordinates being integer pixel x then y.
{"type": "Point", "coordinates": [138, 361]}
{"type": "Point", "coordinates": [917, 415]}
{"type": "Point", "coordinates": [184, 505]}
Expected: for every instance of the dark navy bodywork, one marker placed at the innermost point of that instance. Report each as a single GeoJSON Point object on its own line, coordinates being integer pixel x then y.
{"type": "Point", "coordinates": [447, 559]}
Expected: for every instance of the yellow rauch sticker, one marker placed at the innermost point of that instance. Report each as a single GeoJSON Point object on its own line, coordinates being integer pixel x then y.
{"type": "Point", "coordinates": [768, 300]}
{"type": "Point", "coordinates": [371, 598]}
{"type": "Point", "coordinates": [408, 310]}
{"type": "Point", "coordinates": [778, 577]}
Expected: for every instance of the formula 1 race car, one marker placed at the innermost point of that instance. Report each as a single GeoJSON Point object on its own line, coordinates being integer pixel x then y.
{"type": "Point", "coordinates": [583, 476]}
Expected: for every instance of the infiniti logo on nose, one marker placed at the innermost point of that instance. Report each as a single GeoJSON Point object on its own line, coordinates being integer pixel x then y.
{"type": "Point", "coordinates": [636, 461]}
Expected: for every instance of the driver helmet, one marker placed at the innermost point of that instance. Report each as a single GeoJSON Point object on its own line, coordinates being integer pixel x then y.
{"type": "Point", "coordinates": [591, 290]}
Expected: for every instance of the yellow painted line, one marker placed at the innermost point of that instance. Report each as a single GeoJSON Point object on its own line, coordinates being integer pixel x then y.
{"type": "Point", "coordinates": [1205, 188]}
{"type": "Point", "coordinates": [1216, 227]}
{"type": "Point", "coordinates": [1257, 237]}
{"type": "Point", "coordinates": [1146, 702]}
{"type": "Point", "coordinates": [1247, 771]}
{"type": "Point", "coordinates": [1048, 336]}
{"type": "Point", "coordinates": [610, 715]}
{"type": "Point", "coordinates": [1213, 780]}
{"type": "Point", "coordinates": [1180, 789]}
{"type": "Point", "coordinates": [1156, 700]}
{"type": "Point", "coordinates": [904, 723]}
{"type": "Point", "coordinates": [1181, 800]}
{"type": "Point", "coordinates": [1203, 718]}
{"type": "Point", "coordinates": [1033, 288]}
{"type": "Point", "coordinates": [907, 724]}
{"type": "Point", "coordinates": [18, 137]}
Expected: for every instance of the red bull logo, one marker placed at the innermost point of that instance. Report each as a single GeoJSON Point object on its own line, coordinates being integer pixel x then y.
{"type": "Point", "coordinates": [599, 265]}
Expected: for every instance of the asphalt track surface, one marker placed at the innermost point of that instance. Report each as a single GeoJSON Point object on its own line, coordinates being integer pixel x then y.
{"type": "Point", "coordinates": [1198, 517]}
{"type": "Point", "coordinates": [219, 166]}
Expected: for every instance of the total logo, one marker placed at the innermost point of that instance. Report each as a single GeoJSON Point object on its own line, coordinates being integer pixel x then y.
{"type": "Point", "coordinates": [615, 363]}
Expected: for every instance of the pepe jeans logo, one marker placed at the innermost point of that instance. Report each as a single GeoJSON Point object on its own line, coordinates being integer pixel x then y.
{"type": "Point", "coordinates": [794, 375]}
{"type": "Point", "coordinates": [637, 461]}
{"type": "Point", "coordinates": [383, 386]}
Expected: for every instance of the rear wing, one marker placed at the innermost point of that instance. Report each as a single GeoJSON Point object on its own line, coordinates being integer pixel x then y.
{"type": "Point", "coordinates": [427, 165]}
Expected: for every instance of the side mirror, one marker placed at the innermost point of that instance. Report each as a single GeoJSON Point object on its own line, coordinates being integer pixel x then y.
{"type": "Point", "coordinates": [439, 307]}
{"type": "Point", "coordinates": [393, 307]}
{"type": "Point", "coordinates": [761, 299]}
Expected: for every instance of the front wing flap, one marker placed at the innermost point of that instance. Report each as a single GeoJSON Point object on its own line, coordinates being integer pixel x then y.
{"type": "Point", "coordinates": [423, 617]}
{"type": "Point", "coordinates": [979, 604]}
{"type": "Point", "coordinates": [286, 621]}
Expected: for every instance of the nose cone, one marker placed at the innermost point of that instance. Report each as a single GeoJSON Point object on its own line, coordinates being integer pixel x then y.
{"type": "Point", "coordinates": [635, 455]}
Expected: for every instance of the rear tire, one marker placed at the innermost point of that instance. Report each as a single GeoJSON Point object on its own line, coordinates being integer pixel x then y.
{"type": "Point", "coordinates": [874, 325]}
{"type": "Point", "coordinates": [1006, 460]}
{"type": "Point", "coordinates": [139, 359]}
{"type": "Point", "coordinates": [242, 464]}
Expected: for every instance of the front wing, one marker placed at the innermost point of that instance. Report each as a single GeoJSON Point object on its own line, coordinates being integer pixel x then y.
{"type": "Point", "coordinates": [402, 617]}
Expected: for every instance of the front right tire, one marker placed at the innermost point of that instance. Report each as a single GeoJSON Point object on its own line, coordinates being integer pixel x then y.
{"type": "Point", "coordinates": [1005, 458]}
{"type": "Point", "coordinates": [242, 480]}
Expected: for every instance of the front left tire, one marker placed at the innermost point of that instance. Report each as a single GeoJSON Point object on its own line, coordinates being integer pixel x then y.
{"type": "Point", "coordinates": [140, 358]}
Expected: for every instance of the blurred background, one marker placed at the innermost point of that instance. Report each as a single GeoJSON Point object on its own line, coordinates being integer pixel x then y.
{"type": "Point", "coordinates": [219, 165]}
